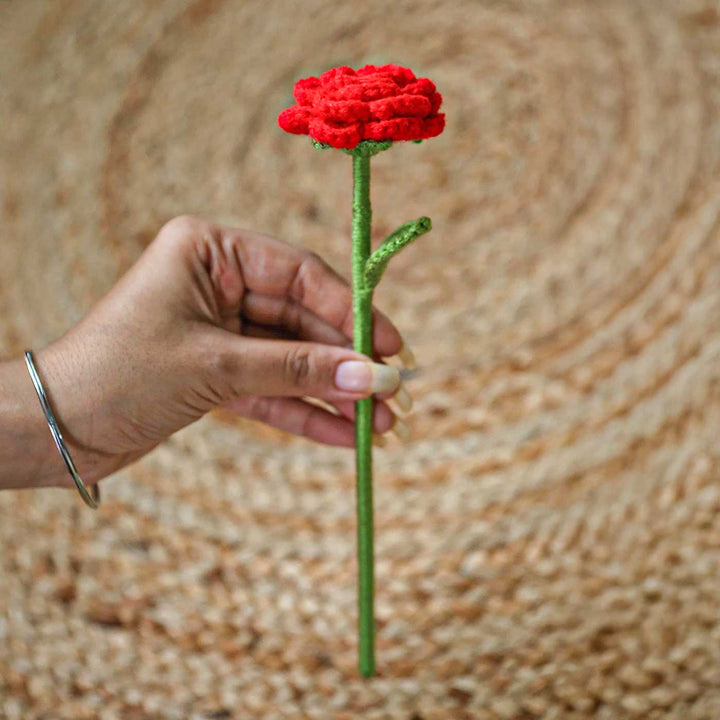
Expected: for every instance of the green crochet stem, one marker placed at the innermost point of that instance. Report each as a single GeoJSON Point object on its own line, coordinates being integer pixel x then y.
{"type": "Point", "coordinates": [367, 269]}
{"type": "Point", "coordinates": [362, 341]}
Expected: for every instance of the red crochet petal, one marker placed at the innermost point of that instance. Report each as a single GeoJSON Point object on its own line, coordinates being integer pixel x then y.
{"type": "Point", "coordinates": [341, 85]}
{"type": "Point", "coordinates": [375, 87]}
{"type": "Point", "coordinates": [432, 126]}
{"type": "Point", "coordinates": [400, 106]}
{"type": "Point", "coordinates": [339, 136]}
{"type": "Point", "coordinates": [435, 102]}
{"type": "Point", "coordinates": [294, 119]}
{"type": "Point", "coordinates": [367, 70]}
{"type": "Point", "coordinates": [305, 90]}
{"type": "Point", "coordinates": [404, 128]}
{"type": "Point", "coordinates": [421, 86]}
{"type": "Point", "coordinates": [401, 75]}
{"type": "Point", "coordinates": [343, 91]}
{"type": "Point", "coordinates": [337, 75]}
{"type": "Point", "coordinates": [342, 111]}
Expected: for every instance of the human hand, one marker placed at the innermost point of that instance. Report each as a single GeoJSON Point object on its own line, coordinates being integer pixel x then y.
{"type": "Point", "coordinates": [213, 316]}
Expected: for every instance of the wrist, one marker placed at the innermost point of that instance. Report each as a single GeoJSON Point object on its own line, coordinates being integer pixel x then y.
{"type": "Point", "coordinates": [61, 369]}
{"type": "Point", "coordinates": [28, 456]}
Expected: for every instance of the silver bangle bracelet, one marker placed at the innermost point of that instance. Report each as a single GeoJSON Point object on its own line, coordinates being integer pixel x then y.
{"type": "Point", "coordinates": [91, 499]}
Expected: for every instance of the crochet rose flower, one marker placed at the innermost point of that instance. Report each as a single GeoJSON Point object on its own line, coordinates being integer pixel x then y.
{"type": "Point", "coordinates": [343, 106]}
{"type": "Point", "coordinates": [362, 113]}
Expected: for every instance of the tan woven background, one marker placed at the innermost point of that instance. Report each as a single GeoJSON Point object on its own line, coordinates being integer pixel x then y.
{"type": "Point", "coordinates": [549, 538]}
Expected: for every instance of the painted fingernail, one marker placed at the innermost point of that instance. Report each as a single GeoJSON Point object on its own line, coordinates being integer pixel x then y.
{"type": "Point", "coordinates": [378, 440]}
{"type": "Point", "coordinates": [403, 399]}
{"type": "Point", "coordinates": [401, 429]}
{"type": "Point", "coordinates": [360, 376]}
{"type": "Point", "coordinates": [407, 357]}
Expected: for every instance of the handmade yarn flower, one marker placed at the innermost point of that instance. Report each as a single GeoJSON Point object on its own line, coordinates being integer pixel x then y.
{"type": "Point", "coordinates": [342, 107]}
{"type": "Point", "coordinates": [362, 112]}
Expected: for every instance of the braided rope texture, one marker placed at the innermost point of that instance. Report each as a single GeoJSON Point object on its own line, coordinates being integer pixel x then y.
{"type": "Point", "coordinates": [548, 539]}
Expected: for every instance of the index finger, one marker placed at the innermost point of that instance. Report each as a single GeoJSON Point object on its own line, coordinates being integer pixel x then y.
{"type": "Point", "coordinates": [276, 268]}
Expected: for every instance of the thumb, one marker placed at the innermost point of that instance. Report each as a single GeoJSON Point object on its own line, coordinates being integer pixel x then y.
{"type": "Point", "coordinates": [257, 366]}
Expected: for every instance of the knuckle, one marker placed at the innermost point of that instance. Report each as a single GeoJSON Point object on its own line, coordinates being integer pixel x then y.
{"type": "Point", "coordinates": [317, 269]}
{"type": "Point", "coordinates": [214, 371]}
{"type": "Point", "coordinates": [298, 366]}
{"type": "Point", "coordinates": [307, 273]}
{"type": "Point", "coordinates": [182, 222]}
{"type": "Point", "coordinates": [290, 315]}
{"type": "Point", "coordinates": [314, 261]}
{"type": "Point", "coordinates": [225, 365]}
{"type": "Point", "coordinates": [182, 226]}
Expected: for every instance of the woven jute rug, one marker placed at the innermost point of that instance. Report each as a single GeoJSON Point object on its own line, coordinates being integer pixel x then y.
{"type": "Point", "coordinates": [548, 539]}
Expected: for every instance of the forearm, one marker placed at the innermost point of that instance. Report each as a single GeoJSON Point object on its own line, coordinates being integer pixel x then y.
{"type": "Point", "coordinates": [28, 457]}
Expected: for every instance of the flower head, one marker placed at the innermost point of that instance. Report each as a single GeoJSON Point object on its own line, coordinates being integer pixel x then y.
{"type": "Point", "coordinates": [343, 106]}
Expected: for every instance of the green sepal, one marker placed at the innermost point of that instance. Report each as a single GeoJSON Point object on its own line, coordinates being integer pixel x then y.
{"type": "Point", "coordinates": [391, 245]}
{"type": "Point", "coordinates": [368, 148]}
{"type": "Point", "coordinates": [320, 145]}
{"type": "Point", "coordinates": [364, 147]}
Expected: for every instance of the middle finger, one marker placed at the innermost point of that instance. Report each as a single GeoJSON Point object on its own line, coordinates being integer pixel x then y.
{"type": "Point", "coordinates": [288, 315]}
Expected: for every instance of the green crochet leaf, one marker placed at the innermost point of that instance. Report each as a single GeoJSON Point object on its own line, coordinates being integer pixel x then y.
{"type": "Point", "coordinates": [391, 245]}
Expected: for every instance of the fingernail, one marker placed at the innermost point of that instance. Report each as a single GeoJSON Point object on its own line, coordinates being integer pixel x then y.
{"type": "Point", "coordinates": [407, 357]}
{"type": "Point", "coordinates": [403, 399]}
{"type": "Point", "coordinates": [360, 376]}
{"type": "Point", "coordinates": [378, 440]}
{"type": "Point", "coordinates": [401, 429]}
